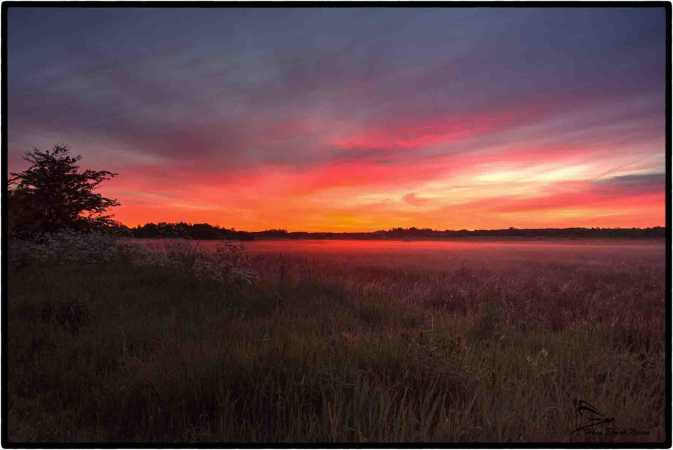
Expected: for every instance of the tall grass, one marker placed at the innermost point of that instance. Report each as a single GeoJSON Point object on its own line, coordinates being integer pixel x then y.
{"type": "Point", "coordinates": [323, 351]}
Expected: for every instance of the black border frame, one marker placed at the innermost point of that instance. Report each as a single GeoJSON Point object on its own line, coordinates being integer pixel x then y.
{"type": "Point", "coordinates": [4, 432]}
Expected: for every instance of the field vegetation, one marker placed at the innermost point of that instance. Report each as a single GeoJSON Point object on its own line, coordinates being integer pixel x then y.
{"type": "Point", "coordinates": [181, 344]}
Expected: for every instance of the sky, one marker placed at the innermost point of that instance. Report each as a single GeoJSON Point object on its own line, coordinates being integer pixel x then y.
{"type": "Point", "coordinates": [351, 119]}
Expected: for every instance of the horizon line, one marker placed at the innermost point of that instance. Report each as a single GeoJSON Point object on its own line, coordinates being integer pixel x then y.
{"type": "Point", "coordinates": [411, 228]}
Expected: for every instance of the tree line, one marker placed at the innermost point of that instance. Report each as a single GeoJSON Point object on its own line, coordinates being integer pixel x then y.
{"type": "Point", "coordinates": [205, 231]}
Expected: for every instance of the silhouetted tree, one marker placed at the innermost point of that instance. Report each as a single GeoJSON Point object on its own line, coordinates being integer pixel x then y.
{"type": "Point", "coordinates": [53, 194]}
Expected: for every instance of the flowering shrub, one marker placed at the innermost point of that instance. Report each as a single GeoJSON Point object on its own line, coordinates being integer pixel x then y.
{"type": "Point", "coordinates": [63, 247]}
{"type": "Point", "coordinates": [174, 254]}
{"type": "Point", "coordinates": [227, 264]}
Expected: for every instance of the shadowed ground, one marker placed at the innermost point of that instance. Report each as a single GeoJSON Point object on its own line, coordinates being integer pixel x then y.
{"type": "Point", "coordinates": [469, 344]}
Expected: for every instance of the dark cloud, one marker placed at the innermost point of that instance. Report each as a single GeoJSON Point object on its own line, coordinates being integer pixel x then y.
{"type": "Point", "coordinates": [647, 182]}
{"type": "Point", "coordinates": [218, 86]}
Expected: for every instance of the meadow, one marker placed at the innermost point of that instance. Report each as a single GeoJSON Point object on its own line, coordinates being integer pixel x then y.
{"type": "Point", "coordinates": [342, 341]}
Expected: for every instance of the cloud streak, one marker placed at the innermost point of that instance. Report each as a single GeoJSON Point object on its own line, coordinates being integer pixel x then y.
{"type": "Point", "coordinates": [279, 118]}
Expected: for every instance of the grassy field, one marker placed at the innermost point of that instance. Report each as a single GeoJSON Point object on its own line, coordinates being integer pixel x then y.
{"type": "Point", "coordinates": [491, 345]}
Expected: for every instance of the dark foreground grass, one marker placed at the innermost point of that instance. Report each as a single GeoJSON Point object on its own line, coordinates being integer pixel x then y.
{"type": "Point", "coordinates": [316, 352]}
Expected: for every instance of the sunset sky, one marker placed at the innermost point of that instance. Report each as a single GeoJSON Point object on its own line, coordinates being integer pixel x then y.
{"type": "Point", "coordinates": [352, 119]}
